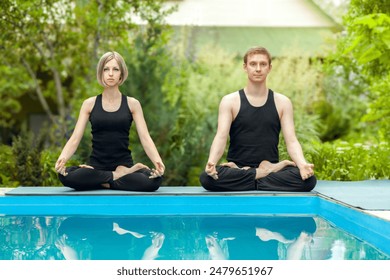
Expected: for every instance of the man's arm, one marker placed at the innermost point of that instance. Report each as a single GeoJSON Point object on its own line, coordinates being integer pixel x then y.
{"type": "Point", "coordinates": [294, 148]}
{"type": "Point", "coordinates": [225, 118]}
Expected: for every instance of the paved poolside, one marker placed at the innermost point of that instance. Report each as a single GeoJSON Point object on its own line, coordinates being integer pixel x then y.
{"type": "Point", "coordinates": [371, 196]}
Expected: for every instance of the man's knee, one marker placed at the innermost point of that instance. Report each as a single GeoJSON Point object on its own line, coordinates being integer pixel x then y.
{"type": "Point", "coordinates": [310, 183]}
{"type": "Point", "coordinates": [66, 180]}
{"type": "Point", "coordinates": [206, 181]}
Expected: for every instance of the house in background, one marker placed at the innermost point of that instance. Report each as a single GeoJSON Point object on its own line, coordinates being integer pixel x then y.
{"type": "Point", "coordinates": [237, 25]}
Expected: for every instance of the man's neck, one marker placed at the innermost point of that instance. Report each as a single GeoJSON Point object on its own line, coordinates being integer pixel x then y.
{"type": "Point", "coordinates": [256, 89]}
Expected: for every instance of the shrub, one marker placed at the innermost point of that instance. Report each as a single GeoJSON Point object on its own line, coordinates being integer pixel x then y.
{"type": "Point", "coordinates": [348, 161]}
{"type": "Point", "coordinates": [26, 148]}
{"type": "Point", "coordinates": [7, 165]}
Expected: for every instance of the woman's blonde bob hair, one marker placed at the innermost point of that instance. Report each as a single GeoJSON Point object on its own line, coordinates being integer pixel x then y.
{"type": "Point", "coordinates": [103, 61]}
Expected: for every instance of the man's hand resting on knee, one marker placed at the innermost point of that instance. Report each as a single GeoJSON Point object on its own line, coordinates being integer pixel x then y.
{"type": "Point", "coordinates": [211, 171]}
{"type": "Point", "coordinates": [306, 170]}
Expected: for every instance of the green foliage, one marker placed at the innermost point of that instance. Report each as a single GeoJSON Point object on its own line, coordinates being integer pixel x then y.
{"type": "Point", "coordinates": [348, 161]}
{"type": "Point", "coordinates": [364, 53]}
{"type": "Point", "coordinates": [29, 163]}
{"type": "Point", "coordinates": [193, 91]}
{"type": "Point", "coordinates": [341, 105]}
{"type": "Point", "coordinates": [51, 50]}
{"type": "Point", "coordinates": [7, 163]}
{"type": "Point", "coordinates": [27, 152]}
{"type": "Point", "coordinates": [55, 46]}
{"type": "Point", "coordinates": [379, 109]}
{"type": "Point", "coordinates": [48, 174]}
{"type": "Point", "coordinates": [12, 83]}
{"type": "Point", "coordinates": [304, 89]}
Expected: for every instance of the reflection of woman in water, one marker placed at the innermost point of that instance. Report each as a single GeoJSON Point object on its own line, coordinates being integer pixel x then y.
{"type": "Point", "coordinates": [108, 238]}
{"type": "Point", "coordinates": [258, 238]}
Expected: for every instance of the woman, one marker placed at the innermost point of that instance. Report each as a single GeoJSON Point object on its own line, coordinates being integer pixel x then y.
{"type": "Point", "coordinates": [111, 114]}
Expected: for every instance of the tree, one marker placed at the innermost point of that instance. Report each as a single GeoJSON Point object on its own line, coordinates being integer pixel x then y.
{"type": "Point", "coordinates": [55, 44]}
{"type": "Point", "coordinates": [364, 52]}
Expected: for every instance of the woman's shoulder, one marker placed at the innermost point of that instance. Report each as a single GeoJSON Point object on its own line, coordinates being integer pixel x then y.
{"type": "Point", "coordinates": [132, 101]}
{"type": "Point", "coordinates": [89, 103]}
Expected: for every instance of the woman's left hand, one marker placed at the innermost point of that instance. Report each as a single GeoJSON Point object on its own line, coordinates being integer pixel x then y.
{"type": "Point", "coordinates": [158, 171]}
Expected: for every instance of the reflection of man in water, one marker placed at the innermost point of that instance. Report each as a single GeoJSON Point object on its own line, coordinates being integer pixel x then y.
{"type": "Point", "coordinates": [108, 238]}
{"type": "Point", "coordinates": [258, 238]}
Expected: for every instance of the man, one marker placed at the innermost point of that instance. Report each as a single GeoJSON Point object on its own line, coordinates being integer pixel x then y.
{"type": "Point", "coordinates": [253, 118]}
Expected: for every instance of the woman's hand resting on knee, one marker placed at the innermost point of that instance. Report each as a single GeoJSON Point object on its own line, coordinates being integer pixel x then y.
{"type": "Point", "coordinates": [60, 166]}
{"type": "Point", "coordinates": [158, 171]}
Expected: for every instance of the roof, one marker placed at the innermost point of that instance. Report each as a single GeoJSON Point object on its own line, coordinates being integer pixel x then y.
{"type": "Point", "coordinates": [255, 13]}
{"type": "Point", "coordinates": [237, 25]}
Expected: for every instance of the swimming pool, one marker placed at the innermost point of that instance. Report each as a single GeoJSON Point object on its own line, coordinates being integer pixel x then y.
{"type": "Point", "coordinates": [117, 214]}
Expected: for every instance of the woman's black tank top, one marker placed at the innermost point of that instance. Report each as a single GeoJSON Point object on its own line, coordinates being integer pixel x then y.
{"type": "Point", "coordinates": [254, 133]}
{"type": "Point", "coordinates": [110, 136]}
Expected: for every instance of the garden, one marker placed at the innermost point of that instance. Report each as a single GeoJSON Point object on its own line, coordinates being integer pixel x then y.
{"type": "Point", "coordinates": [49, 52]}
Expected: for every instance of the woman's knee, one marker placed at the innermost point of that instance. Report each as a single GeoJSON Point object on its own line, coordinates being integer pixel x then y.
{"type": "Point", "coordinates": [153, 185]}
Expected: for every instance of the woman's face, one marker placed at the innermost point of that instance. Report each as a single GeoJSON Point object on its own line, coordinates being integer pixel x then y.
{"type": "Point", "coordinates": [111, 73]}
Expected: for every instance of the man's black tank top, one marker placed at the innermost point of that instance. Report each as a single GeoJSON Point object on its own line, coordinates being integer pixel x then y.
{"type": "Point", "coordinates": [110, 136]}
{"type": "Point", "coordinates": [254, 133]}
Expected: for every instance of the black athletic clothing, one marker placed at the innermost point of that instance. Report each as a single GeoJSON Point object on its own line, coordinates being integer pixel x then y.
{"type": "Point", "coordinates": [83, 179]}
{"type": "Point", "coordinates": [110, 136]}
{"type": "Point", "coordinates": [254, 137]}
{"type": "Point", "coordinates": [254, 133]}
{"type": "Point", "coordinates": [234, 179]}
{"type": "Point", "coordinates": [110, 148]}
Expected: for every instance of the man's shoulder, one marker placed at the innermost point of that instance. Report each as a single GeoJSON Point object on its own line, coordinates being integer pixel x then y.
{"type": "Point", "coordinates": [231, 96]}
{"type": "Point", "coordinates": [282, 102]}
{"type": "Point", "coordinates": [280, 97]}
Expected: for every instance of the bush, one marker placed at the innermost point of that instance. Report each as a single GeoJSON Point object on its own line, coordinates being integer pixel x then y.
{"type": "Point", "coordinates": [27, 152]}
{"type": "Point", "coordinates": [347, 161]}
{"type": "Point", "coordinates": [29, 163]}
{"type": "Point", "coordinates": [7, 166]}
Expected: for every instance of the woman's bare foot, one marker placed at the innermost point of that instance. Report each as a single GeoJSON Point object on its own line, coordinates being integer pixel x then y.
{"type": "Point", "coordinates": [121, 170]}
{"type": "Point", "coordinates": [266, 167]}
{"type": "Point", "coordinates": [233, 165]}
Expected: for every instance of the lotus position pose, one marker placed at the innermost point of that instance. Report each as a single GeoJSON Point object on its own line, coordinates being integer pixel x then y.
{"type": "Point", "coordinates": [253, 118]}
{"type": "Point", "coordinates": [111, 115]}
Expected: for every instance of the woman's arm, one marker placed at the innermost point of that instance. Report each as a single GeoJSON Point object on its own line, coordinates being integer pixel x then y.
{"type": "Point", "coordinates": [144, 136]}
{"type": "Point", "coordinates": [74, 141]}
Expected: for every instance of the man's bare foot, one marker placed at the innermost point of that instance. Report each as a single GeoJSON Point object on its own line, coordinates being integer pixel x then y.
{"type": "Point", "coordinates": [266, 167]}
{"type": "Point", "coordinates": [121, 170]}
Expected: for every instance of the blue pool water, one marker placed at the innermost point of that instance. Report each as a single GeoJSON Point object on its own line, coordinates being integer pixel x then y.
{"type": "Point", "coordinates": [188, 228]}
{"type": "Point", "coordinates": [239, 237]}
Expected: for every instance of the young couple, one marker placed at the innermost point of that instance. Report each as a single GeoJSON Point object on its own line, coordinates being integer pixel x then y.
{"type": "Point", "coordinates": [252, 117]}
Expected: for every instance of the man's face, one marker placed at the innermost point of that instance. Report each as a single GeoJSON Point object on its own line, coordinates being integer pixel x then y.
{"type": "Point", "coordinates": [257, 67]}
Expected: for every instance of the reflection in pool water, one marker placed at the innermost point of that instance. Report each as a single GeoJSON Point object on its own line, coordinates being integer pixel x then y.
{"type": "Point", "coordinates": [178, 238]}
